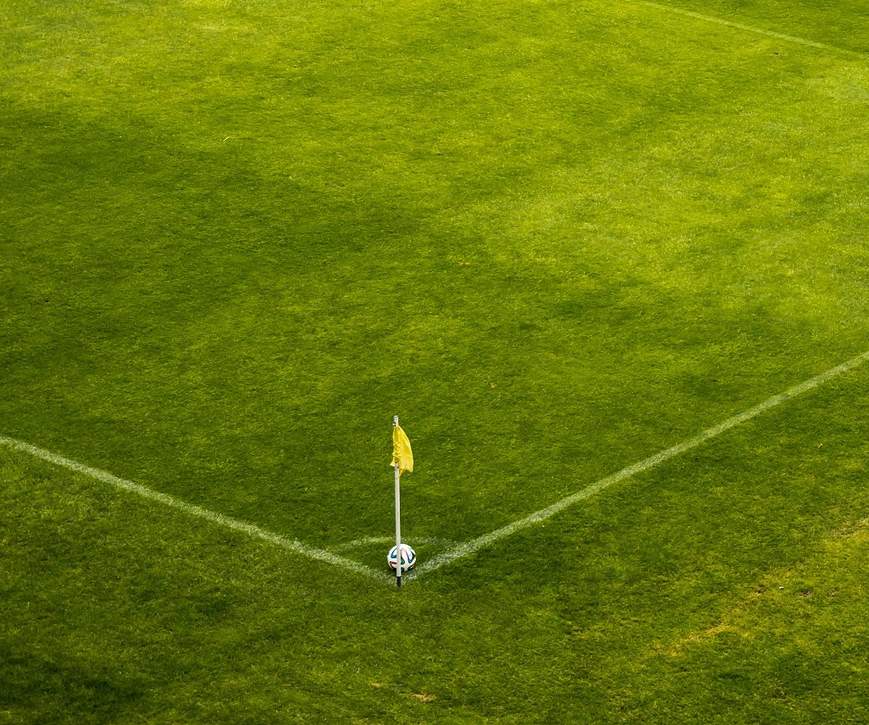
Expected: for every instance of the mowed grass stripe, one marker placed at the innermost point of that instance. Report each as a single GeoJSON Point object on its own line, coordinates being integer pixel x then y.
{"type": "Point", "coordinates": [191, 509]}
{"type": "Point", "coordinates": [751, 28]}
{"type": "Point", "coordinates": [493, 537]}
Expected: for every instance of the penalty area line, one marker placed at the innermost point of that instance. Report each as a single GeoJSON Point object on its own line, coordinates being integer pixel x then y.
{"type": "Point", "coordinates": [256, 532]}
{"type": "Point", "coordinates": [486, 540]}
{"type": "Point", "coordinates": [749, 28]}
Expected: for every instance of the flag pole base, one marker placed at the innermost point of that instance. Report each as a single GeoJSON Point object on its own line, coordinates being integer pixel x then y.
{"type": "Point", "coordinates": [398, 582]}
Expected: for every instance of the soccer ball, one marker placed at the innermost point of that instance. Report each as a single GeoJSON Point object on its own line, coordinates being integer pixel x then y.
{"type": "Point", "coordinates": [408, 558]}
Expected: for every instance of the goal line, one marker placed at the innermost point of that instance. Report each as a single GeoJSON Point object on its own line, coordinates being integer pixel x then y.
{"type": "Point", "coordinates": [486, 540]}
{"type": "Point", "coordinates": [178, 504]}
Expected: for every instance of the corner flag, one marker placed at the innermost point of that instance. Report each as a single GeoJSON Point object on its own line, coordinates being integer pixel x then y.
{"type": "Point", "coordinates": [402, 455]}
{"type": "Point", "coordinates": [402, 460]}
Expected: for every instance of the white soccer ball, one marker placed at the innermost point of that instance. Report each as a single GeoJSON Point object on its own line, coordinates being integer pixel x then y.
{"type": "Point", "coordinates": [408, 558]}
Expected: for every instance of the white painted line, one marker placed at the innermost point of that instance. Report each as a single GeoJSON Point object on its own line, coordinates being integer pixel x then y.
{"type": "Point", "coordinates": [228, 522]}
{"type": "Point", "coordinates": [413, 541]}
{"type": "Point", "coordinates": [749, 28]}
{"type": "Point", "coordinates": [474, 545]}
{"type": "Point", "coordinates": [364, 541]}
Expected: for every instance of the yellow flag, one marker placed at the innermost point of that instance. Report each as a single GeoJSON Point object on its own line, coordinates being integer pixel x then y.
{"type": "Point", "coordinates": [402, 455]}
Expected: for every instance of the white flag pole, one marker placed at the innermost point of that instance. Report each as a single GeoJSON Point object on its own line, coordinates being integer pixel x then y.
{"type": "Point", "coordinates": [397, 514]}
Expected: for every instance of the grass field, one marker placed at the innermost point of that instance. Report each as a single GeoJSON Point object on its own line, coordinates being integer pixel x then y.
{"type": "Point", "coordinates": [557, 238]}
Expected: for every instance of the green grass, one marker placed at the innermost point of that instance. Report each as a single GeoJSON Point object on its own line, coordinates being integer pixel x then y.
{"type": "Point", "coordinates": [554, 237]}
